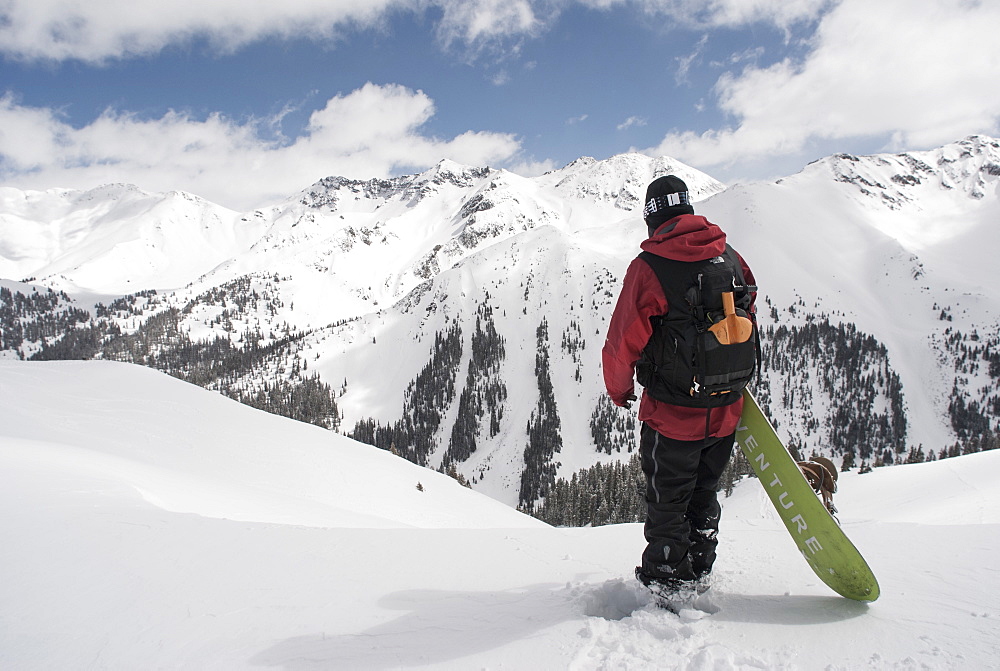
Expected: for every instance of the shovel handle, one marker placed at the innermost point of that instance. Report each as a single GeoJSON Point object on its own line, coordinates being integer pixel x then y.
{"type": "Point", "coordinates": [728, 304]}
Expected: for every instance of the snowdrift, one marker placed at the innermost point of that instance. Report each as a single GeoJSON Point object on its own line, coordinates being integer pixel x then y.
{"type": "Point", "coordinates": [188, 450]}
{"type": "Point", "coordinates": [151, 524]}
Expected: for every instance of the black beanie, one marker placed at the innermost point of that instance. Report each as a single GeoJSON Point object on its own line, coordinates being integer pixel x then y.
{"type": "Point", "coordinates": [666, 197]}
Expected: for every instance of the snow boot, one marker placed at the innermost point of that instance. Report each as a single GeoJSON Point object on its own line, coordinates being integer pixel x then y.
{"type": "Point", "coordinates": [673, 594]}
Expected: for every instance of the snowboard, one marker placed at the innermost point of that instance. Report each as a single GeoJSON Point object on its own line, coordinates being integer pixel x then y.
{"type": "Point", "coordinates": [817, 534]}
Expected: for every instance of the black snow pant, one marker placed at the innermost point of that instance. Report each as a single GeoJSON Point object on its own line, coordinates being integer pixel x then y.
{"type": "Point", "coordinates": [682, 518]}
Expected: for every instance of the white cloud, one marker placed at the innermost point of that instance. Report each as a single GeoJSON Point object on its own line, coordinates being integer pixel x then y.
{"type": "Point", "coordinates": [684, 63]}
{"type": "Point", "coordinates": [111, 29]}
{"type": "Point", "coordinates": [471, 21]}
{"type": "Point", "coordinates": [572, 121]}
{"type": "Point", "coordinates": [750, 56]}
{"type": "Point", "coordinates": [631, 121]}
{"type": "Point", "coordinates": [373, 131]}
{"type": "Point", "coordinates": [501, 78]}
{"type": "Point", "coordinates": [930, 78]}
{"type": "Point", "coordinates": [96, 31]}
{"type": "Point", "coordinates": [782, 13]}
{"type": "Point", "coordinates": [725, 13]}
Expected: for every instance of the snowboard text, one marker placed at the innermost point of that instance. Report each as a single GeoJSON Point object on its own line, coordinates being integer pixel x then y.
{"type": "Point", "coordinates": [784, 500]}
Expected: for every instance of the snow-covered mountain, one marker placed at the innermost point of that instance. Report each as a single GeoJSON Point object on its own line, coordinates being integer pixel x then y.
{"type": "Point", "coordinates": [116, 239]}
{"type": "Point", "coordinates": [151, 524]}
{"type": "Point", "coordinates": [436, 306]}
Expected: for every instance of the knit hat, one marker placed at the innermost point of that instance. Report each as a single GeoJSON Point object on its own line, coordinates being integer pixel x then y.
{"type": "Point", "coordinates": [666, 197]}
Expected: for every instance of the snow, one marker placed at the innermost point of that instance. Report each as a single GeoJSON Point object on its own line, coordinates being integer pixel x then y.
{"type": "Point", "coordinates": [885, 242]}
{"type": "Point", "coordinates": [151, 524]}
{"type": "Point", "coordinates": [116, 239]}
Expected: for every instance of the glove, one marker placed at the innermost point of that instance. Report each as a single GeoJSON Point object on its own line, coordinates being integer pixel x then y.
{"type": "Point", "coordinates": [627, 401]}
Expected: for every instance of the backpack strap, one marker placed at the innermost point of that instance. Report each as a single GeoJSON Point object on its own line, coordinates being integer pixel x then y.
{"type": "Point", "coordinates": [672, 274]}
{"type": "Point", "coordinates": [744, 288]}
{"type": "Point", "coordinates": [744, 301]}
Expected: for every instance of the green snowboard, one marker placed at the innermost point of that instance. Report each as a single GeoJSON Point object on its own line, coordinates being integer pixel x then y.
{"type": "Point", "coordinates": [816, 533]}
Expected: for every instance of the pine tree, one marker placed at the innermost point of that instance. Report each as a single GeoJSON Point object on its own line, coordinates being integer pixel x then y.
{"type": "Point", "coordinates": [601, 494]}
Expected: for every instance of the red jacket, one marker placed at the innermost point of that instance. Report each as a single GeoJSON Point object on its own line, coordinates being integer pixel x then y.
{"type": "Point", "coordinates": [692, 238]}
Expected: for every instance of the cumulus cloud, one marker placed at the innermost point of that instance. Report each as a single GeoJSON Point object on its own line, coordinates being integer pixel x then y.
{"type": "Point", "coordinates": [57, 30]}
{"type": "Point", "coordinates": [929, 79]}
{"type": "Point", "coordinates": [97, 31]}
{"type": "Point", "coordinates": [373, 131]}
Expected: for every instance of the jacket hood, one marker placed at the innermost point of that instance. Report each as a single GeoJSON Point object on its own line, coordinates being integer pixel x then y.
{"type": "Point", "coordinates": [689, 237]}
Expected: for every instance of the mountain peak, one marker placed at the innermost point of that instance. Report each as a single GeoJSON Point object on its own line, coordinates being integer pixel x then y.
{"type": "Point", "coordinates": [449, 171]}
{"type": "Point", "coordinates": [111, 191]}
{"type": "Point", "coordinates": [984, 142]}
{"type": "Point", "coordinates": [967, 166]}
{"type": "Point", "coordinates": [622, 179]}
{"type": "Point", "coordinates": [448, 166]}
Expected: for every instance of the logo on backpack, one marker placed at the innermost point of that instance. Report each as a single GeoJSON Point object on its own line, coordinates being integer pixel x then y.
{"type": "Point", "coordinates": [705, 350]}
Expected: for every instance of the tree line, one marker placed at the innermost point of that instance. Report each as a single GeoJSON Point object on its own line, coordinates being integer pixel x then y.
{"type": "Point", "coordinates": [271, 377]}
{"type": "Point", "coordinates": [485, 392]}
{"type": "Point", "coordinates": [543, 429]}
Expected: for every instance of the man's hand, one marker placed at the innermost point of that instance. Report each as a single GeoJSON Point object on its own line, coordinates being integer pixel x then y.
{"type": "Point", "coordinates": [626, 402]}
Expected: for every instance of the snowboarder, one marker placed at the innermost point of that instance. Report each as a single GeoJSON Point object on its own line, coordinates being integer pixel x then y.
{"type": "Point", "coordinates": [683, 448]}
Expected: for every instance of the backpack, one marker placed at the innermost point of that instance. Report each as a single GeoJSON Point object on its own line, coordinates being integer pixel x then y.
{"type": "Point", "coordinates": [705, 350]}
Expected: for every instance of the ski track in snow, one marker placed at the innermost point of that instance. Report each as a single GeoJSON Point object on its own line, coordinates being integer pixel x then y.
{"type": "Point", "coordinates": [97, 576]}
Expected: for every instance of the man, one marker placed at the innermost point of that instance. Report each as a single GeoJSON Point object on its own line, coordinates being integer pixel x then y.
{"type": "Point", "coordinates": [684, 449]}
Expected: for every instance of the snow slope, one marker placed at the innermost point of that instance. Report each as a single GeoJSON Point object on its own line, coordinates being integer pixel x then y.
{"type": "Point", "coordinates": [150, 524]}
{"type": "Point", "coordinates": [116, 238]}
{"type": "Point", "coordinates": [190, 450]}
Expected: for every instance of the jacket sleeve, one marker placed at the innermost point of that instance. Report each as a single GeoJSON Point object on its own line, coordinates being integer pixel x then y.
{"type": "Point", "coordinates": [641, 298]}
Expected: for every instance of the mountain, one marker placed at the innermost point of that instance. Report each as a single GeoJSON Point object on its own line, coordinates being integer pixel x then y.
{"type": "Point", "coordinates": [456, 316]}
{"type": "Point", "coordinates": [366, 241]}
{"type": "Point", "coordinates": [116, 239]}
{"type": "Point", "coordinates": [621, 180]}
{"type": "Point", "coordinates": [151, 524]}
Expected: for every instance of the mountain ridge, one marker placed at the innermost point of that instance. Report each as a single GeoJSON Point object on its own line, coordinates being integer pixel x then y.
{"type": "Point", "coordinates": [383, 288]}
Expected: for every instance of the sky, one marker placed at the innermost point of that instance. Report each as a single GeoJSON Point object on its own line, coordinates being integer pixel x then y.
{"type": "Point", "coordinates": [247, 102]}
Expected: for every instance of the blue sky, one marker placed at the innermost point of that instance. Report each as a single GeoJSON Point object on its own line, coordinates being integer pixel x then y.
{"type": "Point", "coordinates": [246, 102]}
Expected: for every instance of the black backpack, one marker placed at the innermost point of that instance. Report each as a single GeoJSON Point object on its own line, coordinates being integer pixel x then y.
{"type": "Point", "coordinates": [684, 363]}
